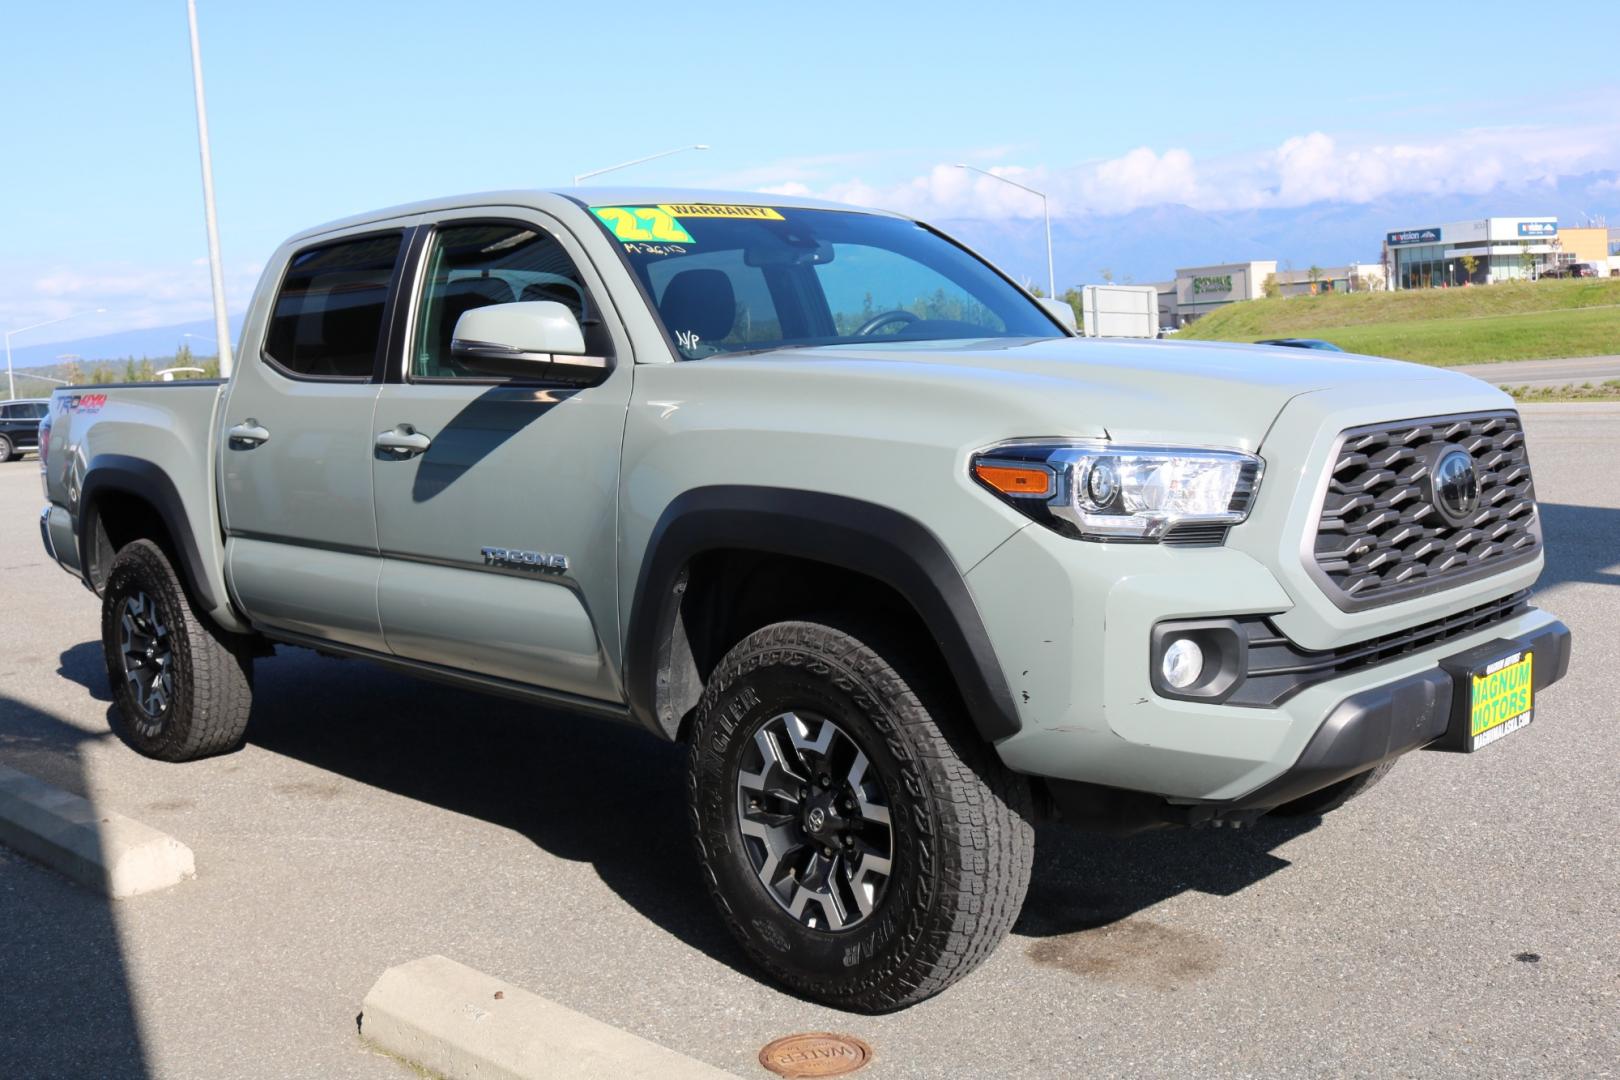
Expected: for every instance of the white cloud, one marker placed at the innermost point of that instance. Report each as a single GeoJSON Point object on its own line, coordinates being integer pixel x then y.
{"type": "Point", "coordinates": [135, 297]}
{"type": "Point", "coordinates": [1307, 168]}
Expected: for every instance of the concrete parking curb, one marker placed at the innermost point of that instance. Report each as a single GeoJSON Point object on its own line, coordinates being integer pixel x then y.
{"type": "Point", "coordinates": [105, 851]}
{"type": "Point", "coordinates": [457, 1022]}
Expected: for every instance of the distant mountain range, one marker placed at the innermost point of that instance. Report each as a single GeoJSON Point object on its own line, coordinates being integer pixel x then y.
{"type": "Point", "coordinates": [1149, 244]}
{"type": "Point", "coordinates": [154, 341]}
{"type": "Point", "coordinates": [1145, 245]}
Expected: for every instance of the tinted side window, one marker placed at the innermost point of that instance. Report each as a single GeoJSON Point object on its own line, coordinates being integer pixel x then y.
{"type": "Point", "coordinates": [475, 265]}
{"type": "Point", "coordinates": [328, 318]}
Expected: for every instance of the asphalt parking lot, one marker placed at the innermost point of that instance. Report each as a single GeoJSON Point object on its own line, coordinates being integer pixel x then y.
{"type": "Point", "coordinates": [1461, 920]}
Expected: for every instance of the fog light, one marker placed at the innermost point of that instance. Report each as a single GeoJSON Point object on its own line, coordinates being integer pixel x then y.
{"type": "Point", "coordinates": [1183, 663]}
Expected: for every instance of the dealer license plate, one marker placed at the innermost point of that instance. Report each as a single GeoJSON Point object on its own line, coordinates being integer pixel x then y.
{"type": "Point", "coordinates": [1501, 698]}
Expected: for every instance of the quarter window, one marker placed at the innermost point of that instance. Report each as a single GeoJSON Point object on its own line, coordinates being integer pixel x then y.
{"type": "Point", "coordinates": [328, 319]}
{"type": "Point", "coordinates": [478, 264]}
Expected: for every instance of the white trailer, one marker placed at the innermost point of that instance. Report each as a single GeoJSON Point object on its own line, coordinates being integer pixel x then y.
{"type": "Point", "coordinates": [1130, 311]}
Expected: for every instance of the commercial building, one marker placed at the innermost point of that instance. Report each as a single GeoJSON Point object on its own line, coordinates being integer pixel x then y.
{"type": "Point", "coordinates": [1198, 290]}
{"type": "Point", "coordinates": [1356, 277]}
{"type": "Point", "coordinates": [1588, 244]}
{"type": "Point", "coordinates": [1477, 252]}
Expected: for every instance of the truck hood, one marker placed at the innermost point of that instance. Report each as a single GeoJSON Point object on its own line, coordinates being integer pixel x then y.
{"type": "Point", "coordinates": [1190, 393]}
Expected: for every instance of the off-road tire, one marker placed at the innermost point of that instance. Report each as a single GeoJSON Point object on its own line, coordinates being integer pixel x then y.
{"type": "Point", "coordinates": [963, 843]}
{"type": "Point", "coordinates": [1335, 795]}
{"type": "Point", "coordinates": [212, 671]}
{"type": "Point", "coordinates": [7, 450]}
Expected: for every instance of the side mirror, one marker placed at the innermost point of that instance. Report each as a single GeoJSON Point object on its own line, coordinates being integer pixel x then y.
{"type": "Point", "coordinates": [535, 339]}
{"type": "Point", "coordinates": [1061, 311]}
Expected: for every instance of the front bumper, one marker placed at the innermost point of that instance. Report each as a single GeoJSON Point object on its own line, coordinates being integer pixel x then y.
{"type": "Point", "coordinates": [1077, 665]}
{"type": "Point", "coordinates": [1371, 727]}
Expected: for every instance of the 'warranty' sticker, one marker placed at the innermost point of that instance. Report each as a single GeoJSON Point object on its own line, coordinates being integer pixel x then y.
{"type": "Point", "coordinates": [721, 210]}
{"type": "Point", "coordinates": [643, 224]}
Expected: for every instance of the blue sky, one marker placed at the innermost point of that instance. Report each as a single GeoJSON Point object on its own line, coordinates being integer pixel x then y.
{"type": "Point", "coordinates": [324, 109]}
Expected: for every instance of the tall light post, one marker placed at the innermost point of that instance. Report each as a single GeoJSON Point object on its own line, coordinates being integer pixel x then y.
{"type": "Point", "coordinates": [11, 379]}
{"type": "Point", "coordinates": [1051, 277]}
{"type": "Point", "coordinates": [637, 161]}
{"type": "Point", "coordinates": [216, 273]}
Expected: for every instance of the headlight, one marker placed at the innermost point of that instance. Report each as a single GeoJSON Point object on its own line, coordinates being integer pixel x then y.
{"type": "Point", "coordinates": [1100, 491]}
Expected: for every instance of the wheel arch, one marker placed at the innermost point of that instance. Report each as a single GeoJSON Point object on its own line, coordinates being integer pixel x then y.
{"type": "Point", "coordinates": [124, 498]}
{"type": "Point", "coordinates": [832, 536]}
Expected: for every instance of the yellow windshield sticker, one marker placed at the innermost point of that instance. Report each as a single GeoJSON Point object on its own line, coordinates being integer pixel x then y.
{"type": "Point", "coordinates": [721, 210]}
{"type": "Point", "coordinates": [643, 224]}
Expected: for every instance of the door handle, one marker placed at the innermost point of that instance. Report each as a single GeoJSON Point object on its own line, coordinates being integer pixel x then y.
{"type": "Point", "coordinates": [403, 440]}
{"type": "Point", "coordinates": [248, 433]}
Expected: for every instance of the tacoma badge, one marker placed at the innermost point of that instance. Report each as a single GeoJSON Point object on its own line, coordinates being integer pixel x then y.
{"type": "Point", "coordinates": [526, 560]}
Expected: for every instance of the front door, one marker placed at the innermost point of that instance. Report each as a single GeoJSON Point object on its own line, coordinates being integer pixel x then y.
{"type": "Point", "coordinates": [296, 444]}
{"type": "Point", "coordinates": [495, 497]}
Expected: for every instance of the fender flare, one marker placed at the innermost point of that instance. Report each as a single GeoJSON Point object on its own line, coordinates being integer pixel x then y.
{"type": "Point", "coordinates": [852, 534]}
{"type": "Point", "coordinates": [125, 475]}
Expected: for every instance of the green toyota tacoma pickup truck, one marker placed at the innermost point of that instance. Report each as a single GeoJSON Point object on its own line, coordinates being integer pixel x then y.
{"type": "Point", "coordinates": [826, 497]}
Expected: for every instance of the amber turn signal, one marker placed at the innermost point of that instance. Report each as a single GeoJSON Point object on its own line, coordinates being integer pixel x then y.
{"type": "Point", "coordinates": [1013, 479]}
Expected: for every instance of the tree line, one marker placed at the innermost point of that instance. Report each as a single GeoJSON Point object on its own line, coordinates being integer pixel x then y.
{"type": "Point", "coordinates": [132, 370]}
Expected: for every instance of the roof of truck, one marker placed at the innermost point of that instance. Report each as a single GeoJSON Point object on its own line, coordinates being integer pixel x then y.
{"type": "Point", "coordinates": [543, 199]}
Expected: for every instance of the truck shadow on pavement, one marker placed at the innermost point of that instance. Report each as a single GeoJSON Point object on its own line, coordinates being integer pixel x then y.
{"type": "Point", "coordinates": [592, 791]}
{"type": "Point", "coordinates": [580, 788]}
{"type": "Point", "coordinates": [66, 1004]}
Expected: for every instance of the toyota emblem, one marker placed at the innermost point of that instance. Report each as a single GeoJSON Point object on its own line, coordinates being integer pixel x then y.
{"type": "Point", "coordinates": [1456, 486]}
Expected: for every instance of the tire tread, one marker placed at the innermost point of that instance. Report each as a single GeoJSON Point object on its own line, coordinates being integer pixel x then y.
{"type": "Point", "coordinates": [985, 808]}
{"type": "Point", "coordinates": [210, 712]}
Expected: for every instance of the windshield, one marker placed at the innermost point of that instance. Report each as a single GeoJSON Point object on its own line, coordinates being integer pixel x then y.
{"type": "Point", "coordinates": [728, 279]}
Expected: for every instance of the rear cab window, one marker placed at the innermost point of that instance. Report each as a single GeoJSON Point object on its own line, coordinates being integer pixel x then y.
{"type": "Point", "coordinates": [327, 322]}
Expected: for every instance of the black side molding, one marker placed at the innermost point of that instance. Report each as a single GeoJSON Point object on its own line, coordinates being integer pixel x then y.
{"type": "Point", "coordinates": [125, 475]}
{"type": "Point", "coordinates": [851, 534]}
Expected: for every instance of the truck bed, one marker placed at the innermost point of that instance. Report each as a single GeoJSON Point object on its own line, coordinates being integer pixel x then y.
{"type": "Point", "coordinates": [155, 440]}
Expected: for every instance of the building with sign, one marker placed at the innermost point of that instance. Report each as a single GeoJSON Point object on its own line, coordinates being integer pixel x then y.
{"type": "Point", "coordinates": [1476, 252]}
{"type": "Point", "coordinates": [1198, 290]}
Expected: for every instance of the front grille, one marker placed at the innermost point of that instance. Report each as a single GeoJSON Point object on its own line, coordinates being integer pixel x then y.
{"type": "Point", "coordinates": [1381, 538]}
{"type": "Point", "coordinates": [1278, 669]}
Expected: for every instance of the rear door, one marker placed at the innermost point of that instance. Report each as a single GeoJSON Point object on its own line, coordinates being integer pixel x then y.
{"type": "Point", "coordinates": [526, 467]}
{"type": "Point", "coordinates": [296, 441]}
{"type": "Point", "coordinates": [19, 423]}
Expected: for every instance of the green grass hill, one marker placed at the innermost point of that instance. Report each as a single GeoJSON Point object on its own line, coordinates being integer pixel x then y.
{"type": "Point", "coordinates": [1479, 324]}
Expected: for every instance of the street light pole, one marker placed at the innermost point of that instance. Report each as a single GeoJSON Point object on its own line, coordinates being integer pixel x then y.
{"type": "Point", "coordinates": [221, 323]}
{"type": "Point", "coordinates": [626, 164]}
{"type": "Point", "coordinates": [11, 379]}
{"type": "Point", "coordinates": [1051, 277]}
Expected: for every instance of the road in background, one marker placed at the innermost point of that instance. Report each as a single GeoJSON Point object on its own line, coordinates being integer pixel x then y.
{"type": "Point", "coordinates": [1577, 370]}
{"type": "Point", "coordinates": [1462, 919]}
